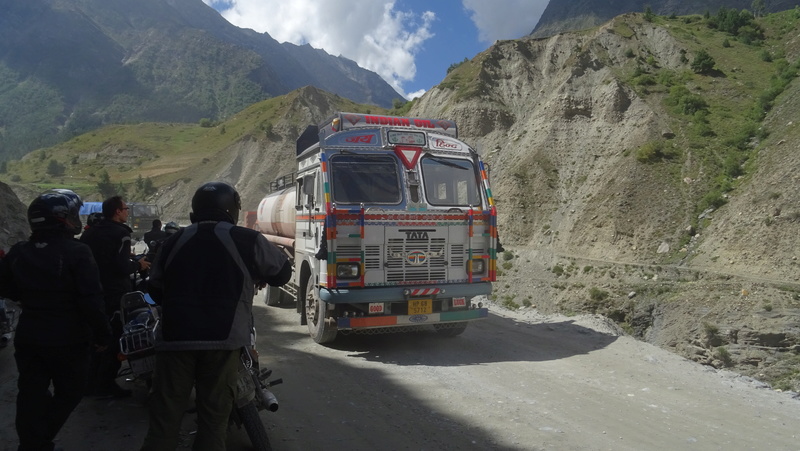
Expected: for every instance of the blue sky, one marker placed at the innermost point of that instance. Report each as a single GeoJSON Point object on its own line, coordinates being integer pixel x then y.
{"type": "Point", "coordinates": [410, 43]}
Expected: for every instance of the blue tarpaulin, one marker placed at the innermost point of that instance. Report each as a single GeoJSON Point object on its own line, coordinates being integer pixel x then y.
{"type": "Point", "coordinates": [91, 207]}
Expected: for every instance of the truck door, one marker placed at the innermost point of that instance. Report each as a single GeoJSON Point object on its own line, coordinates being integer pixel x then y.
{"type": "Point", "coordinates": [307, 207]}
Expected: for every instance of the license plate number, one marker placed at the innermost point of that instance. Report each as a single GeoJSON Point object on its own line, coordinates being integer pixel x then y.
{"type": "Point", "coordinates": [420, 306]}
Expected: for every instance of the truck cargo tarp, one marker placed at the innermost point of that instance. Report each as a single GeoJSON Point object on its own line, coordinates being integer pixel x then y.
{"type": "Point", "coordinates": [91, 207]}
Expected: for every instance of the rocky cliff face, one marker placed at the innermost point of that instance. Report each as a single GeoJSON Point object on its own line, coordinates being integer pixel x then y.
{"type": "Point", "coordinates": [557, 126]}
{"type": "Point", "coordinates": [592, 229]}
{"type": "Point", "coordinates": [13, 222]}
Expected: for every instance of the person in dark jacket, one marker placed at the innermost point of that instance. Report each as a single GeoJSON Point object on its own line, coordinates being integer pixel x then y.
{"type": "Point", "coordinates": [110, 241]}
{"type": "Point", "coordinates": [204, 277]}
{"type": "Point", "coordinates": [152, 247]}
{"type": "Point", "coordinates": [56, 282]}
{"type": "Point", "coordinates": [155, 233]}
{"type": "Point", "coordinates": [93, 219]}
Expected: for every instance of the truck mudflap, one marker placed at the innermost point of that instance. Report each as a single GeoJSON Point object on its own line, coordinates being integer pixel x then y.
{"type": "Point", "coordinates": [366, 322]}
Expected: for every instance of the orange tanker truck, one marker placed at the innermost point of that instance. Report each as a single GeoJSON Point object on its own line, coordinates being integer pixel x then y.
{"type": "Point", "coordinates": [391, 226]}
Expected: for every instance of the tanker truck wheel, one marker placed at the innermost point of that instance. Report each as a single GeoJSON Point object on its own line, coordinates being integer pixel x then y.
{"type": "Point", "coordinates": [274, 296]}
{"type": "Point", "coordinates": [319, 329]}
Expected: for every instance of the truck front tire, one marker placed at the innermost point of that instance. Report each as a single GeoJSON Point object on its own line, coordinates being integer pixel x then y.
{"type": "Point", "coordinates": [450, 329]}
{"type": "Point", "coordinates": [320, 329]}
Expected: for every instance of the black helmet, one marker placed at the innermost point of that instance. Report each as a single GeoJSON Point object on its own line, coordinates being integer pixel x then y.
{"type": "Point", "coordinates": [94, 218]}
{"type": "Point", "coordinates": [216, 201]}
{"type": "Point", "coordinates": [171, 228]}
{"type": "Point", "coordinates": [57, 209]}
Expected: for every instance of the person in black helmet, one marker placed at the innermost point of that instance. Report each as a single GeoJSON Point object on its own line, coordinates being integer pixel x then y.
{"type": "Point", "coordinates": [93, 219]}
{"type": "Point", "coordinates": [56, 282]}
{"type": "Point", "coordinates": [204, 278]}
{"type": "Point", "coordinates": [153, 246]}
{"type": "Point", "coordinates": [171, 228]}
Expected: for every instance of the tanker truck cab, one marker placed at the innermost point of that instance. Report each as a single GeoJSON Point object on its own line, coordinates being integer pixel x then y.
{"type": "Point", "coordinates": [394, 227]}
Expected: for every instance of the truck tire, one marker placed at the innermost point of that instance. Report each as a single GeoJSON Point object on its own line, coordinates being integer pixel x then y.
{"type": "Point", "coordinates": [274, 296]}
{"type": "Point", "coordinates": [319, 329]}
{"type": "Point", "coordinates": [451, 329]}
{"type": "Point", "coordinates": [252, 423]}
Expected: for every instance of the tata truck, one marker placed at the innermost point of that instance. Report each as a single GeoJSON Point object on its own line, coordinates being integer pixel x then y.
{"type": "Point", "coordinates": [390, 225]}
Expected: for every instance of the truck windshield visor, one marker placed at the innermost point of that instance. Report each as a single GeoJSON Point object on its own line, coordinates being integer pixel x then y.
{"type": "Point", "coordinates": [368, 179]}
{"type": "Point", "coordinates": [450, 182]}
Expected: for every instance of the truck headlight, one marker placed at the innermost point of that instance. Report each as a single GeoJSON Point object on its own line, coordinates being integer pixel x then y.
{"type": "Point", "coordinates": [348, 270]}
{"type": "Point", "coordinates": [478, 266]}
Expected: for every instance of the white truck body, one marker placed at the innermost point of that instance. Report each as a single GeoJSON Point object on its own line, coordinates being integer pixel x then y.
{"type": "Point", "coordinates": [390, 222]}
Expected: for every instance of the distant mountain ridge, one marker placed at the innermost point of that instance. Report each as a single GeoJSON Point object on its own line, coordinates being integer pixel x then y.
{"type": "Point", "coordinates": [69, 66]}
{"type": "Point", "coordinates": [570, 15]}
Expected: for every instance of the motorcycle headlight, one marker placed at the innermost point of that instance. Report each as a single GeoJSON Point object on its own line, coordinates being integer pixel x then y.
{"type": "Point", "coordinates": [348, 271]}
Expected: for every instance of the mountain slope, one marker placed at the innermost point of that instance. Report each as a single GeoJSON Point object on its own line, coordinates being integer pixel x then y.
{"type": "Point", "coordinates": [570, 15]}
{"type": "Point", "coordinates": [596, 225]}
{"type": "Point", "coordinates": [69, 66]}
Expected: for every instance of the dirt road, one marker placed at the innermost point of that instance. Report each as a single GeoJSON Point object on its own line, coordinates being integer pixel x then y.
{"type": "Point", "coordinates": [517, 380]}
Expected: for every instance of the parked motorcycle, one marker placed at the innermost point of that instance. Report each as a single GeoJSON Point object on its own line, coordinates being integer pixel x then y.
{"type": "Point", "coordinates": [140, 319]}
{"type": "Point", "coordinates": [254, 396]}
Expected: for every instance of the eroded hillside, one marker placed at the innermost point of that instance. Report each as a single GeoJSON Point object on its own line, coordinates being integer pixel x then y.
{"type": "Point", "coordinates": [595, 227]}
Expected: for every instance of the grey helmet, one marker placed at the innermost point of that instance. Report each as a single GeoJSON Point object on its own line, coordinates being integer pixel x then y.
{"type": "Point", "coordinates": [171, 227]}
{"type": "Point", "coordinates": [57, 209]}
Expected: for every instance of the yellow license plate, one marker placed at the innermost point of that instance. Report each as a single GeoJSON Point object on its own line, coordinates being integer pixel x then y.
{"type": "Point", "coordinates": [420, 306]}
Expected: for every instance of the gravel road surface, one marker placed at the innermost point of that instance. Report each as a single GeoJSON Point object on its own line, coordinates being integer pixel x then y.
{"type": "Point", "coordinates": [515, 381]}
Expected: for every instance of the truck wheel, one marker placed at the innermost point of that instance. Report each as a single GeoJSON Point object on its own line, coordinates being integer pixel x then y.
{"type": "Point", "coordinates": [274, 295]}
{"type": "Point", "coordinates": [319, 329]}
{"type": "Point", "coordinates": [450, 330]}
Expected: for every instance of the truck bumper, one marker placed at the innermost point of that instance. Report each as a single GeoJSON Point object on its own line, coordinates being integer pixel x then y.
{"type": "Point", "coordinates": [392, 294]}
{"type": "Point", "coordinates": [412, 320]}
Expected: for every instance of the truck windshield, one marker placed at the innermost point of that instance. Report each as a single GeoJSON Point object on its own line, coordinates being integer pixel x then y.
{"type": "Point", "coordinates": [450, 182]}
{"type": "Point", "coordinates": [371, 179]}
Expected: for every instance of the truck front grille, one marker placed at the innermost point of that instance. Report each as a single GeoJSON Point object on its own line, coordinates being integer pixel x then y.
{"type": "Point", "coordinates": [407, 260]}
{"type": "Point", "coordinates": [411, 260]}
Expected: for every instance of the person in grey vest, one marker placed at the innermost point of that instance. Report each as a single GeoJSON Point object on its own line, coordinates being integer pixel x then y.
{"type": "Point", "coordinates": [204, 278]}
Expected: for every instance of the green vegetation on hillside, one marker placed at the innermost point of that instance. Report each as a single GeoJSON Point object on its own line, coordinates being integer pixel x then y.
{"type": "Point", "coordinates": [736, 68]}
{"type": "Point", "coordinates": [135, 159]}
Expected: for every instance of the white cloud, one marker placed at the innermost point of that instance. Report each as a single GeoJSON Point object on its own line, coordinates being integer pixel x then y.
{"type": "Point", "coordinates": [375, 35]}
{"type": "Point", "coordinates": [504, 19]}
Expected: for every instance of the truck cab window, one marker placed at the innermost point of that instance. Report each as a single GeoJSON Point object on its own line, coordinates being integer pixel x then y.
{"type": "Point", "coordinates": [450, 182]}
{"type": "Point", "coordinates": [308, 191]}
{"type": "Point", "coordinates": [368, 179]}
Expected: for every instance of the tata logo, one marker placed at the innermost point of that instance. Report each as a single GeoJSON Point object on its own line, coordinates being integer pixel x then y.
{"type": "Point", "coordinates": [418, 318]}
{"type": "Point", "coordinates": [416, 258]}
{"type": "Point", "coordinates": [416, 235]}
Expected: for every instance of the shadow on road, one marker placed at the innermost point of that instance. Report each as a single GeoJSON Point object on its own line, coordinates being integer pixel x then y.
{"type": "Point", "coordinates": [530, 343]}
{"type": "Point", "coordinates": [364, 391]}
